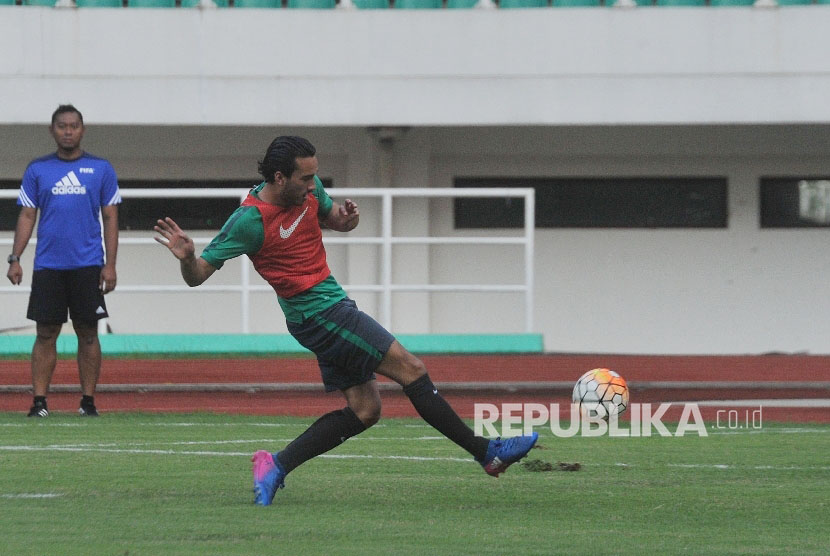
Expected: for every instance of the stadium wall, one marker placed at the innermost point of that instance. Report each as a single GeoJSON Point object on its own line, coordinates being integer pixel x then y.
{"type": "Point", "coordinates": [739, 93]}
{"type": "Point", "coordinates": [418, 67]}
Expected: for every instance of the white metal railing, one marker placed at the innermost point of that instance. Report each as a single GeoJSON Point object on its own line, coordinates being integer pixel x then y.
{"type": "Point", "coordinates": [386, 240]}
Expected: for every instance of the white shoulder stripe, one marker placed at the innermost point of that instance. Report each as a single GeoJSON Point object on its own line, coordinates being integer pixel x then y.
{"type": "Point", "coordinates": [25, 200]}
{"type": "Point", "coordinates": [116, 199]}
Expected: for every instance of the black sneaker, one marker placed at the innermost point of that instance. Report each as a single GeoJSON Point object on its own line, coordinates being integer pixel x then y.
{"type": "Point", "coordinates": [88, 411]}
{"type": "Point", "coordinates": [38, 410]}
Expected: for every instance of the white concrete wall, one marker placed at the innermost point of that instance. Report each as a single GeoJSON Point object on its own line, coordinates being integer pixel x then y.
{"type": "Point", "coordinates": [417, 67]}
{"type": "Point", "coordinates": [740, 93]}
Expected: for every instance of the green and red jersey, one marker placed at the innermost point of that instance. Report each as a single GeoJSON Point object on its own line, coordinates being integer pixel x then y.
{"type": "Point", "coordinates": [285, 244]}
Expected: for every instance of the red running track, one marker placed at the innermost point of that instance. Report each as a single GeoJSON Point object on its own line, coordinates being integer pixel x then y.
{"type": "Point", "coordinates": [443, 369]}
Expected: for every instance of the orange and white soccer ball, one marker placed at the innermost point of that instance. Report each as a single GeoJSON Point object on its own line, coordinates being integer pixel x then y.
{"type": "Point", "coordinates": [601, 393]}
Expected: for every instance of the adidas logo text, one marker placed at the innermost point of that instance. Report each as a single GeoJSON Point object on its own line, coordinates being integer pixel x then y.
{"type": "Point", "coordinates": [69, 185]}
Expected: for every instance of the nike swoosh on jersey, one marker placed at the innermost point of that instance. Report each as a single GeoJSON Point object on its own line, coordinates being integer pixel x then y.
{"type": "Point", "coordinates": [285, 234]}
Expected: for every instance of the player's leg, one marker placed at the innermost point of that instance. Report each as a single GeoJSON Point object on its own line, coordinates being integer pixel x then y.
{"type": "Point", "coordinates": [86, 307]}
{"type": "Point", "coordinates": [408, 371]}
{"type": "Point", "coordinates": [334, 428]}
{"type": "Point", "coordinates": [326, 433]}
{"type": "Point", "coordinates": [47, 307]}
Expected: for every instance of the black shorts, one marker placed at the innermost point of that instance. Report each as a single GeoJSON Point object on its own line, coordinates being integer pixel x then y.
{"type": "Point", "coordinates": [349, 344]}
{"type": "Point", "coordinates": [56, 291]}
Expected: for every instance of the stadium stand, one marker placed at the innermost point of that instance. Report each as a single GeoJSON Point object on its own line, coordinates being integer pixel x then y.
{"type": "Point", "coordinates": [418, 4]}
{"type": "Point", "coordinates": [683, 3]}
{"type": "Point", "coordinates": [98, 3]}
{"type": "Point", "coordinates": [576, 3]}
{"type": "Point", "coordinates": [311, 4]}
{"type": "Point", "coordinates": [195, 3]}
{"type": "Point", "coordinates": [371, 4]}
{"type": "Point", "coordinates": [257, 4]}
{"type": "Point", "coordinates": [151, 3]}
{"type": "Point", "coordinates": [509, 4]}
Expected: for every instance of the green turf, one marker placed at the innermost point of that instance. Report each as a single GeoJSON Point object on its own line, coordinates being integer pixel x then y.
{"type": "Point", "coordinates": [180, 484]}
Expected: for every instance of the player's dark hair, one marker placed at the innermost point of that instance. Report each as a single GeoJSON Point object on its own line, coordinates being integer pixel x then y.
{"type": "Point", "coordinates": [63, 109]}
{"type": "Point", "coordinates": [282, 155]}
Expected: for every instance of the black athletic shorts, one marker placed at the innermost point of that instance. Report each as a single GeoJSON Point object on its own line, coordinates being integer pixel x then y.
{"type": "Point", "coordinates": [349, 344]}
{"type": "Point", "coordinates": [56, 291]}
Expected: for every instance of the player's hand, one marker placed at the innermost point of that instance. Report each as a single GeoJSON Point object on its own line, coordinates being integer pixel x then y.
{"type": "Point", "coordinates": [106, 283]}
{"type": "Point", "coordinates": [174, 239]}
{"type": "Point", "coordinates": [349, 215]}
{"type": "Point", "coordinates": [15, 274]}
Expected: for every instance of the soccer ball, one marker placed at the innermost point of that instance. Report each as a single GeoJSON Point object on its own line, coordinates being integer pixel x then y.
{"type": "Point", "coordinates": [601, 393]}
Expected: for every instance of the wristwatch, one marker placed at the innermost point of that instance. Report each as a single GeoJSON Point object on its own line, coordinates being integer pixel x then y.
{"type": "Point", "coordinates": [13, 259]}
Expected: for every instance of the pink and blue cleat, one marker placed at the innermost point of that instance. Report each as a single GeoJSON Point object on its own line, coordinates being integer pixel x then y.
{"type": "Point", "coordinates": [501, 454]}
{"type": "Point", "coordinates": [268, 477]}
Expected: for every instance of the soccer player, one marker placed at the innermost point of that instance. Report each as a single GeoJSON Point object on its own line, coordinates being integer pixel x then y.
{"type": "Point", "coordinates": [278, 227]}
{"type": "Point", "coordinates": [72, 189]}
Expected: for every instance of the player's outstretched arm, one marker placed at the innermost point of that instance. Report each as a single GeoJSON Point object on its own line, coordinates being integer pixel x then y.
{"type": "Point", "coordinates": [194, 270]}
{"type": "Point", "coordinates": [343, 218]}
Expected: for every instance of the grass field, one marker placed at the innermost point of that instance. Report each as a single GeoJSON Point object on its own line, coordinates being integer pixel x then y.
{"type": "Point", "coordinates": [155, 484]}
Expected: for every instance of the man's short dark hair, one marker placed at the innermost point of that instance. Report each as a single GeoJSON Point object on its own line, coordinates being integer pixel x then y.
{"type": "Point", "coordinates": [63, 109]}
{"type": "Point", "coordinates": [282, 155]}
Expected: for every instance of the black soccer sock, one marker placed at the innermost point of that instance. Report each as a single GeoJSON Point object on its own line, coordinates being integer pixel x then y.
{"type": "Point", "coordinates": [327, 432]}
{"type": "Point", "coordinates": [435, 410]}
{"type": "Point", "coordinates": [39, 400]}
{"type": "Point", "coordinates": [87, 400]}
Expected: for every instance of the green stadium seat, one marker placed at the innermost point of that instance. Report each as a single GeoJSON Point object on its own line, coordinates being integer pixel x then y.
{"type": "Point", "coordinates": [371, 4]}
{"type": "Point", "coordinates": [258, 4]}
{"type": "Point", "coordinates": [98, 3]}
{"type": "Point", "coordinates": [48, 3]}
{"type": "Point", "coordinates": [6, 2]}
{"type": "Point", "coordinates": [670, 3]}
{"type": "Point", "coordinates": [576, 3]}
{"type": "Point", "coordinates": [610, 3]}
{"type": "Point", "coordinates": [311, 4]}
{"type": "Point", "coordinates": [461, 4]}
{"type": "Point", "coordinates": [798, 2]}
{"type": "Point", "coordinates": [417, 4]}
{"type": "Point", "coordinates": [731, 2]}
{"type": "Point", "coordinates": [510, 4]}
{"type": "Point", "coordinates": [151, 3]}
{"type": "Point", "coordinates": [195, 3]}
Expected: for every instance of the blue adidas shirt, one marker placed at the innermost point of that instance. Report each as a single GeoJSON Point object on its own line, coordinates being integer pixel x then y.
{"type": "Point", "coordinates": [69, 194]}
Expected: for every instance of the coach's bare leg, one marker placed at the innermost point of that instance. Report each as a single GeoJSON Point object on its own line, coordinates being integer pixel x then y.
{"type": "Point", "coordinates": [44, 357]}
{"type": "Point", "coordinates": [364, 400]}
{"type": "Point", "coordinates": [89, 356]}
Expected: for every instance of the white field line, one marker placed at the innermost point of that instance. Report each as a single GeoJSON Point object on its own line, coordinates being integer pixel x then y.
{"type": "Point", "coordinates": [217, 442]}
{"type": "Point", "coordinates": [32, 495]}
{"type": "Point", "coordinates": [404, 458]}
{"type": "Point", "coordinates": [151, 424]}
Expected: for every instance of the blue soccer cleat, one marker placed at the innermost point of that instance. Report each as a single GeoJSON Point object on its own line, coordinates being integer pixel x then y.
{"type": "Point", "coordinates": [503, 453]}
{"type": "Point", "coordinates": [268, 477]}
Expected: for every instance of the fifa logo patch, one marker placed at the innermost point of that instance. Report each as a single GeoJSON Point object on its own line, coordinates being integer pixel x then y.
{"type": "Point", "coordinates": [69, 185]}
